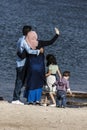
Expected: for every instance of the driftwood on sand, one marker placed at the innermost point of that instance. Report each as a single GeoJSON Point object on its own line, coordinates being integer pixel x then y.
{"type": "Point", "coordinates": [75, 103]}
{"type": "Point", "coordinates": [79, 95]}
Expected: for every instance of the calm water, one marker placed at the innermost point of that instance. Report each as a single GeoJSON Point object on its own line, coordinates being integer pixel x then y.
{"type": "Point", "coordinates": [70, 16]}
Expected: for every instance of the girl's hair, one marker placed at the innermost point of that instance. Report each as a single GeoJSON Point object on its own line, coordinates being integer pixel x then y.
{"type": "Point", "coordinates": [51, 59]}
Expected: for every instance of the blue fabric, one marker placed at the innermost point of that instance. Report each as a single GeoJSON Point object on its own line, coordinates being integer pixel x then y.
{"type": "Point", "coordinates": [61, 98]}
{"type": "Point", "coordinates": [36, 77]}
{"type": "Point", "coordinates": [36, 72]}
{"type": "Point", "coordinates": [18, 83]}
{"type": "Point", "coordinates": [34, 95]}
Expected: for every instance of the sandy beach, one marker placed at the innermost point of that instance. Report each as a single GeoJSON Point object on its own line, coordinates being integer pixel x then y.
{"type": "Point", "coordinates": [28, 117]}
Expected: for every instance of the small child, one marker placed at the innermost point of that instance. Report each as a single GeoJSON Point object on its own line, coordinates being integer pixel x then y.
{"type": "Point", "coordinates": [62, 87]}
{"type": "Point", "coordinates": [53, 69]}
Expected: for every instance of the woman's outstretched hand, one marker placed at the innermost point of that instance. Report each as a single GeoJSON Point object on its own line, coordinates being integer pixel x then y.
{"type": "Point", "coordinates": [57, 31]}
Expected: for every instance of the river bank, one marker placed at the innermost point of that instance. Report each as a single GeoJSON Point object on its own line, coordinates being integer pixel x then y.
{"type": "Point", "coordinates": [28, 117]}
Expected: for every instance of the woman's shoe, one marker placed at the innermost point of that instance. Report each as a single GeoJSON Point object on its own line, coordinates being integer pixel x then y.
{"type": "Point", "coordinates": [38, 103]}
{"type": "Point", "coordinates": [30, 103]}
